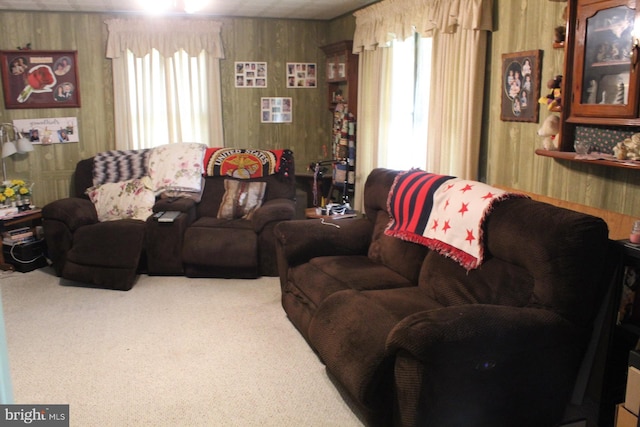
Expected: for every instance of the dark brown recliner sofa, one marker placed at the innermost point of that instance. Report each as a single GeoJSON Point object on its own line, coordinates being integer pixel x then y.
{"type": "Point", "coordinates": [111, 254]}
{"type": "Point", "coordinates": [417, 340]}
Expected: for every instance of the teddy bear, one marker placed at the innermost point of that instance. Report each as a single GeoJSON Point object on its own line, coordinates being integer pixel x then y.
{"type": "Point", "coordinates": [549, 131]}
{"type": "Point", "coordinates": [629, 149]}
{"type": "Point", "coordinates": [554, 97]}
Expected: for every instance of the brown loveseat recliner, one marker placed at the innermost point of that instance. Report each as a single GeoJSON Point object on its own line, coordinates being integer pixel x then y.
{"type": "Point", "coordinates": [417, 340]}
{"type": "Point", "coordinates": [110, 254]}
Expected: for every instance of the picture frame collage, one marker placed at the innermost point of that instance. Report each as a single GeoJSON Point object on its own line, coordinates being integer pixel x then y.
{"type": "Point", "coordinates": [276, 110]}
{"type": "Point", "coordinates": [302, 75]}
{"type": "Point", "coordinates": [253, 75]}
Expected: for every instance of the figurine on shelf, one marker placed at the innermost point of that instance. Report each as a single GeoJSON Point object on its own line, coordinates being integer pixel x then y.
{"type": "Point", "coordinates": [549, 132]}
{"type": "Point", "coordinates": [592, 91]}
{"type": "Point", "coordinates": [553, 100]}
{"type": "Point", "coordinates": [629, 149]}
{"type": "Point", "coordinates": [559, 35]}
{"type": "Point", "coordinates": [620, 94]}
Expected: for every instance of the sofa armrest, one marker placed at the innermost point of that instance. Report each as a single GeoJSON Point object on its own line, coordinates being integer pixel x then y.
{"type": "Point", "coordinates": [74, 212]}
{"type": "Point", "coordinates": [466, 330]}
{"type": "Point", "coordinates": [301, 240]}
{"type": "Point", "coordinates": [496, 365]}
{"type": "Point", "coordinates": [273, 210]}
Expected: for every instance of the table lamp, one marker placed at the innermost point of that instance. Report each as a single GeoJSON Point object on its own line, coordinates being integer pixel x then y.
{"type": "Point", "coordinates": [11, 146]}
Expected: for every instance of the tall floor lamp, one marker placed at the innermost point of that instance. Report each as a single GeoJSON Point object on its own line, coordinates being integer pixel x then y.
{"type": "Point", "coordinates": [11, 146]}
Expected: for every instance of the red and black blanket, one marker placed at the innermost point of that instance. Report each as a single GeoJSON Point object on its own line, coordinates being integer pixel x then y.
{"type": "Point", "coordinates": [442, 212]}
{"type": "Point", "coordinates": [242, 162]}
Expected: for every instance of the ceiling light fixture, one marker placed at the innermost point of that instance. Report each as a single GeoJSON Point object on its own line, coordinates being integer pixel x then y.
{"type": "Point", "coordinates": [177, 6]}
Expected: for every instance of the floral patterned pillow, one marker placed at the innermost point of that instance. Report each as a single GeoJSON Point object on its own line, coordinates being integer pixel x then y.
{"type": "Point", "coordinates": [177, 167]}
{"type": "Point", "coordinates": [133, 198]}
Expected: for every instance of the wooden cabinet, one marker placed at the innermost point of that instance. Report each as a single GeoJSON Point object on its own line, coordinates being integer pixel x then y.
{"type": "Point", "coordinates": [601, 87]}
{"type": "Point", "coordinates": [605, 76]}
{"type": "Point", "coordinates": [342, 75]}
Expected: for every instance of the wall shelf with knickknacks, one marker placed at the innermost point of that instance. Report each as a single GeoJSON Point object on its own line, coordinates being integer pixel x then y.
{"type": "Point", "coordinates": [342, 91]}
{"type": "Point", "coordinates": [601, 87]}
{"type": "Point", "coordinates": [342, 75]}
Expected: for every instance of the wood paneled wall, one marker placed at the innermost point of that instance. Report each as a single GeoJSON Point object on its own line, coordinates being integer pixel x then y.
{"type": "Point", "coordinates": [509, 146]}
{"type": "Point", "coordinates": [50, 167]}
{"type": "Point", "coordinates": [274, 41]}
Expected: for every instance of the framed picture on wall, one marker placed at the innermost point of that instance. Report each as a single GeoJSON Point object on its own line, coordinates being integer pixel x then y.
{"type": "Point", "coordinates": [520, 86]}
{"type": "Point", "coordinates": [40, 78]}
{"type": "Point", "coordinates": [276, 110]}
{"type": "Point", "coordinates": [301, 75]}
{"type": "Point", "coordinates": [251, 74]}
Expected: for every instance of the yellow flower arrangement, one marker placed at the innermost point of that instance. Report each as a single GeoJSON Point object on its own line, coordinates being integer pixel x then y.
{"type": "Point", "coordinates": [10, 189]}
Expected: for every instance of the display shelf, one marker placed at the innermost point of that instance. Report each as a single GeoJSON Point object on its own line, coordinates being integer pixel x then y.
{"type": "Point", "coordinates": [574, 157]}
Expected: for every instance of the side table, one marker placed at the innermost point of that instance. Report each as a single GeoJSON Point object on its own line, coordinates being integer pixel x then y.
{"type": "Point", "coordinates": [313, 213]}
{"type": "Point", "coordinates": [31, 216]}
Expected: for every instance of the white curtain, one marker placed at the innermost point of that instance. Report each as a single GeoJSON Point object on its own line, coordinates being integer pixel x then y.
{"type": "Point", "coordinates": [458, 28]}
{"type": "Point", "coordinates": [177, 60]}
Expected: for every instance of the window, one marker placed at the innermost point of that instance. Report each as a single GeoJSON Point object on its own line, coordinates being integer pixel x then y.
{"type": "Point", "coordinates": [408, 94]}
{"type": "Point", "coordinates": [167, 98]}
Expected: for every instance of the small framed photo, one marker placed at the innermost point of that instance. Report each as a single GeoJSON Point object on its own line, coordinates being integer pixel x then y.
{"type": "Point", "coordinates": [331, 71]}
{"type": "Point", "coordinates": [520, 86]}
{"type": "Point", "coordinates": [40, 78]}
{"type": "Point", "coordinates": [301, 75]}
{"type": "Point", "coordinates": [251, 74]}
{"type": "Point", "coordinates": [276, 110]}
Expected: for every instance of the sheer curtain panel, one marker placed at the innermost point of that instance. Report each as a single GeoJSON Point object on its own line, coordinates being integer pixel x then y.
{"type": "Point", "coordinates": [166, 78]}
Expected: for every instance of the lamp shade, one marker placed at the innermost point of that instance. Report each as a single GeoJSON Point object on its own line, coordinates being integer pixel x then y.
{"type": "Point", "coordinates": [24, 145]}
{"type": "Point", "coordinates": [9, 149]}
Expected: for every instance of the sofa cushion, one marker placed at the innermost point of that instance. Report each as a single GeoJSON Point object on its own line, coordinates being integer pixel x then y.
{"type": "Point", "coordinates": [400, 256]}
{"type": "Point", "coordinates": [496, 282]}
{"type": "Point", "coordinates": [241, 199]}
{"type": "Point", "coordinates": [122, 200]}
{"type": "Point", "coordinates": [323, 276]}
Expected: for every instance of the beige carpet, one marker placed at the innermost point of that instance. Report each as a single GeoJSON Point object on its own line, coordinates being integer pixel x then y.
{"type": "Point", "coordinates": [171, 352]}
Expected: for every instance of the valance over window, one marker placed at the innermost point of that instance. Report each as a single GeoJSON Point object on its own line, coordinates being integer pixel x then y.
{"type": "Point", "coordinates": [167, 36]}
{"type": "Point", "coordinates": [380, 23]}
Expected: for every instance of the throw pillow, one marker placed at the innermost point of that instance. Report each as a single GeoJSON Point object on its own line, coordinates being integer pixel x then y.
{"type": "Point", "coordinates": [133, 198]}
{"type": "Point", "coordinates": [241, 199]}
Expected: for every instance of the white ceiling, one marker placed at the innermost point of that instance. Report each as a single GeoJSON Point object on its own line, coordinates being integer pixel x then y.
{"type": "Point", "coordinates": [290, 9]}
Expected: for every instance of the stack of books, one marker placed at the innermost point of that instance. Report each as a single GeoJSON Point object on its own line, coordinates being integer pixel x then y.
{"type": "Point", "coordinates": [18, 236]}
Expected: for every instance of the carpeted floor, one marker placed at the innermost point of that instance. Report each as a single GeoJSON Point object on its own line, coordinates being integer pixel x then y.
{"type": "Point", "coordinates": [171, 352]}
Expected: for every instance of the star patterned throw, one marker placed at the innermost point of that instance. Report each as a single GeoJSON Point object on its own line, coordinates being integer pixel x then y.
{"type": "Point", "coordinates": [442, 212]}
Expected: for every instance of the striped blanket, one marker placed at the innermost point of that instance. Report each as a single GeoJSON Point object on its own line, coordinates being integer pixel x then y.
{"type": "Point", "coordinates": [442, 212]}
{"type": "Point", "coordinates": [120, 165]}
